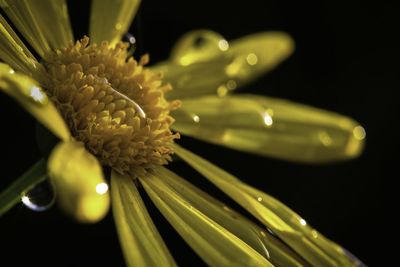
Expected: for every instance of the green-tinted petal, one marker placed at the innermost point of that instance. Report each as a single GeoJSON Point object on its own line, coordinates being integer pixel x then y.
{"type": "Point", "coordinates": [271, 127]}
{"type": "Point", "coordinates": [141, 243]}
{"type": "Point", "coordinates": [203, 62]}
{"type": "Point", "coordinates": [31, 97]}
{"type": "Point", "coordinates": [78, 178]}
{"type": "Point", "coordinates": [12, 194]}
{"type": "Point", "coordinates": [214, 244]}
{"type": "Point", "coordinates": [285, 223]}
{"type": "Point", "coordinates": [44, 23]}
{"type": "Point", "coordinates": [259, 239]}
{"type": "Point", "coordinates": [14, 52]}
{"type": "Point", "coordinates": [109, 20]}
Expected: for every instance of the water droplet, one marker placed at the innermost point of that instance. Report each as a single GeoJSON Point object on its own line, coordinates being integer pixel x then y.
{"type": "Point", "coordinates": [268, 121]}
{"type": "Point", "coordinates": [118, 26]}
{"type": "Point", "coordinates": [196, 118]}
{"type": "Point", "coordinates": [199, 46]}
{"type": "Point", "coordinates": [101, 188]}
{"type": "Point", "coordinates": [353, 258]}
{"type": "Point", "coordinates": [199, 41]}
{"type": "Point", "coordinates": [131, 40]}
{"type": "Point", "coordinates": [37, 95]}
{"type": "Point", "coordinates": [359, 132]}
{"type": "Point", "coordinates": [303, 222]}
{"type": "Point", "coordinates": [40, 198]}
{"type": "Point", "coordinates": [314, 233]}
{"type": "Point", "coordinates": [252, 59]}
{"type": "Point", "coordinates": [325, 139]}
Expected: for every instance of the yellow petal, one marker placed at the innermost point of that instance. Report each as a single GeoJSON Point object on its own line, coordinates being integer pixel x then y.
{"type": "Point", "coordinates": [197, 79]}
{"type": "Point", "coordinates": [32, 98]}
{"type": "Point", "coordinates": [14, 52]}
{"type": "Point", "coordinates": [77, 175]}
{"type": "Point", "coordinates": [141, 243]}
{"type": "Point", "coordinates": [109, 20]}
{"type": "Point", "coordinates": [43, 23]}
{"type": "Point", "coordinates": [223, 249]}
{"type": "Point", "coordinates": [203, 62]}
{"type": "Point", "coordinates": [258, 238]}
{"type": "Point", "coordinates": [258, 53]}
{"type": "Point", "coordinates": [271, 127]}
{"type": "Point", "coordinates": [285, 223]}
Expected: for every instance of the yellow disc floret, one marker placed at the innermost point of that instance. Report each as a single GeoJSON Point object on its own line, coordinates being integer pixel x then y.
{"type": "Point", "coordinates": [113, 104]}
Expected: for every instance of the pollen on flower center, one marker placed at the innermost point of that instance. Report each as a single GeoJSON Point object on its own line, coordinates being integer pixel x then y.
{"type": "Point", "coordinates": [113, 104]}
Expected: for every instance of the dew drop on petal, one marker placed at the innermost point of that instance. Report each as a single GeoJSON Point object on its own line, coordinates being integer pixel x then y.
{"type": "Point", "coordinates": [354, 259]}
{"type": "Point", "coordinates": [40, 198]}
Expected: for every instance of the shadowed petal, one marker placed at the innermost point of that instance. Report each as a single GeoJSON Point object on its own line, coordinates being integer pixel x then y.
{"type": "Point", "coordinates": [15, 53]}
{"type": "Point", "coordinates": [44, 23]}
{"type": "Point", "coordinates": [256, 237]}
{"type": "Point", "coordinates": [109, 20]}
{"type": "Point", "coordinates": [214, 244]}
{"type": "Point", "coordinates": [285, 223]}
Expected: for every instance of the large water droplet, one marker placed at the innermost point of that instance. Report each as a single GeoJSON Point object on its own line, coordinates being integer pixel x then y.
{"type": "Point", "coordinates": [199, 46]}
{"type": "Point", "coordinates": [353, 258]}
{"type": "Point", "coordinates": [131, 40]}
{"type": "Point", "coordinates": [40, 198]}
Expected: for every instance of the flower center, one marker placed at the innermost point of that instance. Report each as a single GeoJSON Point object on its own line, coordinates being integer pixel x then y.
{"type": "Point", "coordinates": [113, 104]}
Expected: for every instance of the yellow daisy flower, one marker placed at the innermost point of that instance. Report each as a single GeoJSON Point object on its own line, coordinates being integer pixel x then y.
{"type": "Point", "coordinates": [107, 109]}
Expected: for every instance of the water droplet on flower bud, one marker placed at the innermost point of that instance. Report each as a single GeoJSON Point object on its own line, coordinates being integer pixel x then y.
{"type": "Point", "coordinates": [131, 40]}
{"type": "Point", "coordinates": [40, 198]}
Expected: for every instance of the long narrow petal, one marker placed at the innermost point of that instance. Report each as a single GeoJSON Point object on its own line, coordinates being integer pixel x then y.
{"type": "Point", "coordinates": [271, 127]}
{"type": "Point", "coordinates": [214, 244]}
{"type": "Point", "coordinates": [31, 97]}
{"type": "Point", "coordinates": [15, 53]}
{"type": "Point", "coordinates": [285, 223]}
{"type": "Point", "coordinates": [203, 62]}
{"type": "Point", "coordinates": [259, 239]}
{"type": "Point", "coordinates": [109, 20]}
{"type": "Point", "coordinates": [12, 194]}
{"type": "Point", "coordinates": [78, 178]}
{"type": "Point", "coordinates": [44, 23]}
{"type": "Point", "coordinates": [141, 243]}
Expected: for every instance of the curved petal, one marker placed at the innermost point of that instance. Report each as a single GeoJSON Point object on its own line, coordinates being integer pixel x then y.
{"type": "Point", "coordinates": [78, 178]}
{"type": "Point", "coordinates": [12, 194]}
{"type": "Point", "coordinates": [285, 223]}
{"type": "Point", "coordinates": [141, 243]}
{"type": "Point", "coordinates": [203, 62]}
{"type": "Point", "coordinates": [223, 249]}
{"type": "Point", "coordinates": [109, 20]}
{"type": "Point", "coordinates": [271, 127]}
{"type": "Point", "coordinates": [31, 97]}
{"type": "Point", "coordinates": [256, 237]}
{"type": "Point", "coordinates": [44, 23]}
{"type": "Point", "coordinates": [15, 53]}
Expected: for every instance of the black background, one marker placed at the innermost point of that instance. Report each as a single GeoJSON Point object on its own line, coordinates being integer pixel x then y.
{"type": "Point", "coordinates": [344, 61]}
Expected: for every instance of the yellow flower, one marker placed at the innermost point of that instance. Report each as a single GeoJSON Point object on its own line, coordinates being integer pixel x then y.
{"type": "Point", "coordinates": [109, 110]}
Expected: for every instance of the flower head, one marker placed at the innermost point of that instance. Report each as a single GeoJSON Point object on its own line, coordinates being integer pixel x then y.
{"type": "Point", "coordinates": [112, 104]}
{"type": "Point", "coordinates": [106, 109]}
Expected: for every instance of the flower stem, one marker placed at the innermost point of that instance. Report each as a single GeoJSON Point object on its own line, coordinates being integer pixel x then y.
{"type": "Point", "coordinates": [12, 195]}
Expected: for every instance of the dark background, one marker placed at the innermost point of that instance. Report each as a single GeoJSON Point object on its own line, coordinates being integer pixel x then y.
{"type": "Point", "coordinates": [344, 62]}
